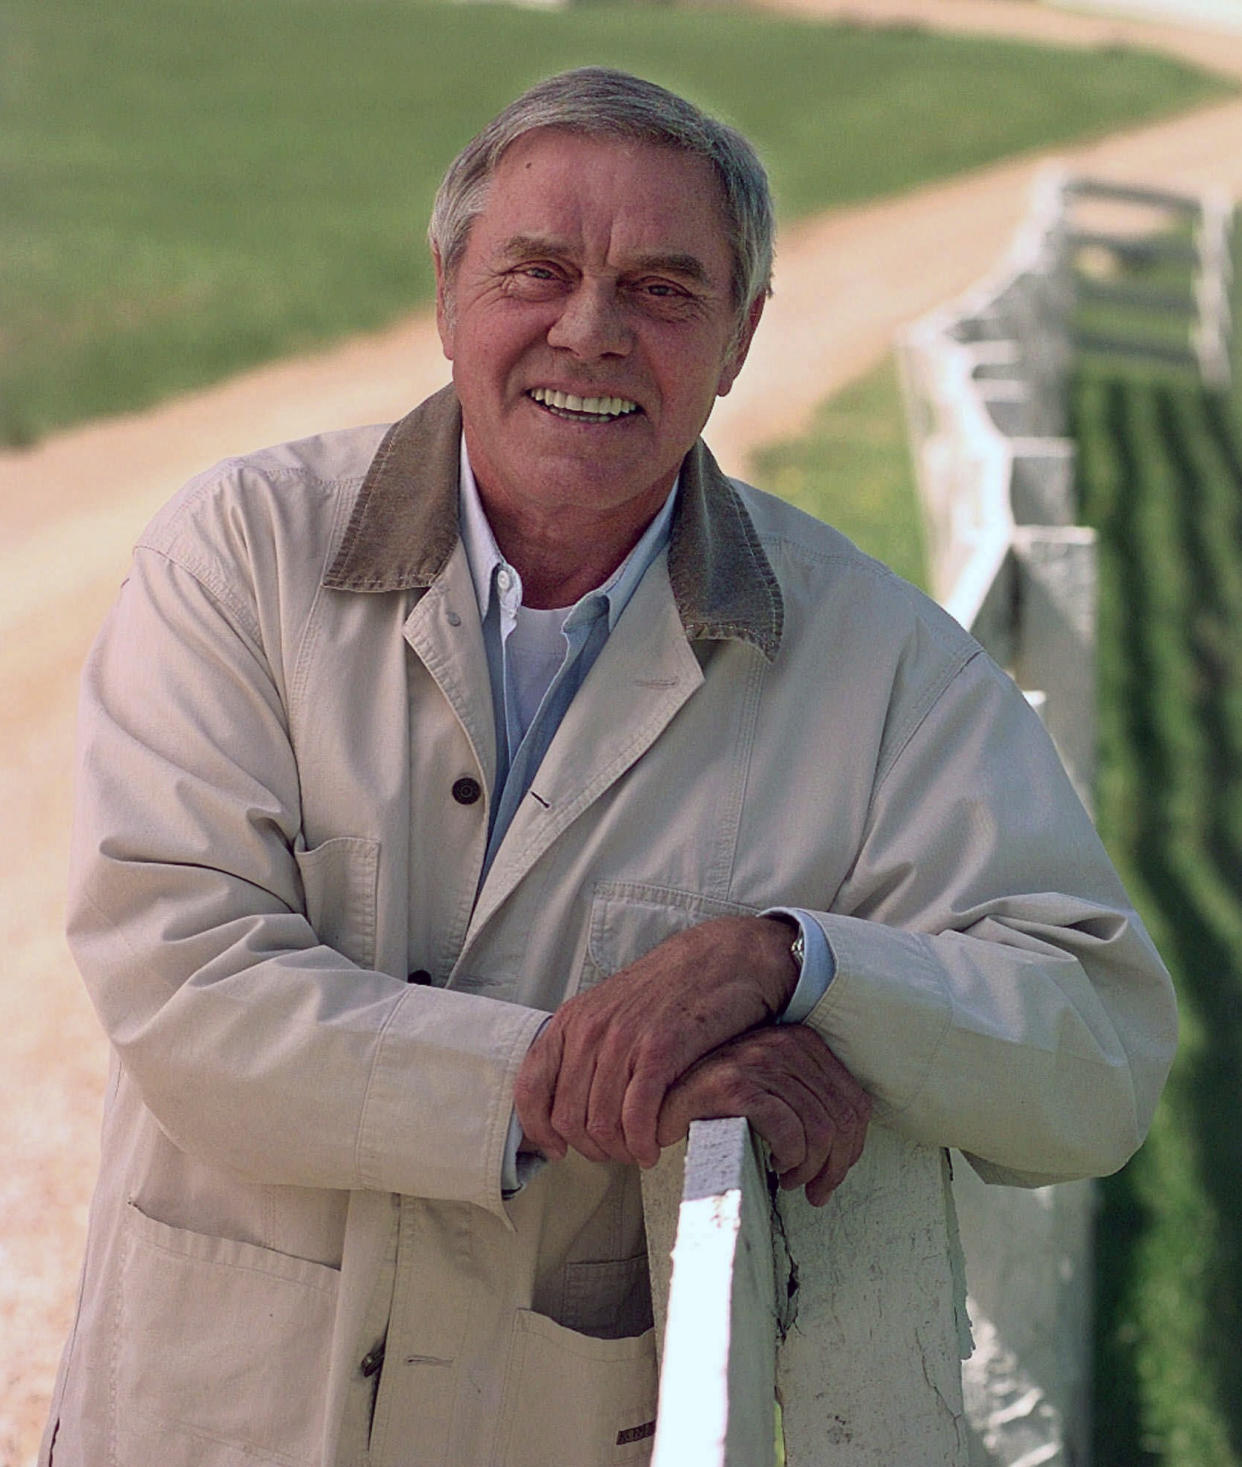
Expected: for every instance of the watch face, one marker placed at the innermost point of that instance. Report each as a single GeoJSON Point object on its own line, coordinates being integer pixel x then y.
{"type": "Point", "coordinates": [798, 951]}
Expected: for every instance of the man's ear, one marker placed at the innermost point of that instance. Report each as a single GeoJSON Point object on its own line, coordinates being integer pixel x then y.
{"type": "Point", "coordinates": [741, 346]}
{"type": "Point", "coordinates": [444, 304]}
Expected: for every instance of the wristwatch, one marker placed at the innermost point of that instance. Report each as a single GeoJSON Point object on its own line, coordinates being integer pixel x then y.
{"type": "Point", "coordinates": [797, 948]}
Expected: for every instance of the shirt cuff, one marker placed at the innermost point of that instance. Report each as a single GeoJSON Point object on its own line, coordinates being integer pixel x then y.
{"type": "Point", "coordinates": [515, 1170]}
{"type": "Point", "coordinates": [819, 967]}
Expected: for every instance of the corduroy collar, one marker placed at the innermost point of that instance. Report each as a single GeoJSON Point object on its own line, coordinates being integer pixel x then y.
{"type": "Point", "coordinates": [404, 527]}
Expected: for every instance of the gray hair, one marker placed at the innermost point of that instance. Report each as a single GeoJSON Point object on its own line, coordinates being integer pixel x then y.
{"type": "Point", "coordinates": [599, 102]}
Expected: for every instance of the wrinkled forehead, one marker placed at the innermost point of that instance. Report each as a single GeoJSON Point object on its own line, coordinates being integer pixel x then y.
{"type": "Point", "coordinates": [642, 196]}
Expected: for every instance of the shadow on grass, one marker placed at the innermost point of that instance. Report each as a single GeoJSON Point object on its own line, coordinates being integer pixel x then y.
{"type": "Point", "coordinates": [1188, 850]}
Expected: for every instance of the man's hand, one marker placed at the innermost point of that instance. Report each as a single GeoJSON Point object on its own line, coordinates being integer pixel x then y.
{"type": "Point", "coordinates": [793, 1090]}
{"type": "Point", "coordinates": [597, 1076]}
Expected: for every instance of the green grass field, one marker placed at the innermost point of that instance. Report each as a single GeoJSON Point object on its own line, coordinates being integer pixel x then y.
{"type": "Point", "coordinates": [1161, 477]}
{"type": "Point", "coordinates": [852, 468]}
{"type": "Point", "coordinates": [191, 188]}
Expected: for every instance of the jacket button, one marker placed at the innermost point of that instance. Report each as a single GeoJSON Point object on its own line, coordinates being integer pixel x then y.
{"type": "Point", "coordinates": [419, 975]}
{"type": "Point", "coordinates": [466, 790]}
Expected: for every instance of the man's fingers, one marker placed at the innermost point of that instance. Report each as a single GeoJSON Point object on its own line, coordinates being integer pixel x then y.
{"type": "Point", "coordinates": [797, 1095]}
{"type": "Point", "coordinates": [675, 1117]}
{"type": "Point", "coordinates": [597, 1122]}
{"type": "Point", "coordinates": [830, 1176]}
{"type": "Point", "coordinates": [598, 1075]}
{"type": "Point", "coordinates": [534, 1092]}
{"type": "Point", "coordinates": [830, 1160]}
{"type": "Point", "coordinates": [715, 1089]}
{"type": "Point", "coordinates": [785, 1131]}
{"type": "Point", "coordinates": [620, 1071]}
{"type": "Point", "coordinates": [837, 1127]}
{"type": "Point", "coordinates": [829, 1157]}
{"type": "Point", "coordinates": [737, 1080]}
{"type": "Point", "coordinates": [658, 1068]}
{"type": "Point", "coordinates": [640, 1116]}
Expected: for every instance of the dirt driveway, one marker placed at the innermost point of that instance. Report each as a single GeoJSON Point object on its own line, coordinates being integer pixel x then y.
{"type": "Point", "coordinates": [71, 508]}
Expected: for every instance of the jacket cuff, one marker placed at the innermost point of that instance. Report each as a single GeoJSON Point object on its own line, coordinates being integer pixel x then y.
{"type": "Point", "coordinates": [440, 1098]}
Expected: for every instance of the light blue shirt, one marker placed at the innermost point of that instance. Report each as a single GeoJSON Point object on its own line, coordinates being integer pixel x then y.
{"type": "Point", "coordinates": [530, 695]}
{"type": "Point", "coordinates": [531, 691]}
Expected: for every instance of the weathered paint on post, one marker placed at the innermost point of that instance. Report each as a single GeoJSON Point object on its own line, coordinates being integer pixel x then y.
{"type": "Point", "coordinates": [867, 1314]}
{"type": "Point", "coordinates": [869, 1372]}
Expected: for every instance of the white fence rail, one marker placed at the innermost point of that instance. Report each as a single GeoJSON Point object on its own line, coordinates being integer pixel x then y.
{"type": "Point", "coordinates": [858, 1308]}
{"type": "Point", "coordinates": [854, 1318]}
{"type": "Point", "coordinates": [984, 381]}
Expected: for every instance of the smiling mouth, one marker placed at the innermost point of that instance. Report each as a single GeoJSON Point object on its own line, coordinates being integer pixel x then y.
{"type": "Point", "coordinates": [583, 409]}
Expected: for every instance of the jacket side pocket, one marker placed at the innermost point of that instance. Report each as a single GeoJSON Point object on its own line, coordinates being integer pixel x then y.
{"type": "Point", "coordinates": [607, 1299]}
{"type": "Point", "coordinates": [220, 1350]}
{"type": "Point", "coordinates": [340, 879]}
{"type": "Point", "coordinates": [574, 1401]}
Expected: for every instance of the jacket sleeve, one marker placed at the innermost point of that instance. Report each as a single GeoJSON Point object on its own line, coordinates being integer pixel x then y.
{"type": "Point", "coordinates": [257, 1047]}
{"type": "Point", "coordinates": [994, 989]}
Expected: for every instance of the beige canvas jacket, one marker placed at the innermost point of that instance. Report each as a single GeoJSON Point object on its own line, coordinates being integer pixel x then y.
{"type": "Point", "coordinates": [298, 1249]}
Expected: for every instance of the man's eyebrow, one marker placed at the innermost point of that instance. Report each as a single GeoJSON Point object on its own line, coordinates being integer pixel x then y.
{"type": "Point", "coordinates": [675, 262]}
{"type": "Point", "coordinates": [526, 246]}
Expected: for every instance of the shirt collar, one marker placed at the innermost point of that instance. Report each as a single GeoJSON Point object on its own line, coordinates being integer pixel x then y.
{"type": "Point", "coordinates": [403, 528]}
{"type": "Point", "coordinates": [485, 558]}
{"type": "Point", "coordinates": [482, 552]}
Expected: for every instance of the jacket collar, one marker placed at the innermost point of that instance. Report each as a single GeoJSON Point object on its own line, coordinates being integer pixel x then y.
{"type": "Point", "coordinates": [397, 539]}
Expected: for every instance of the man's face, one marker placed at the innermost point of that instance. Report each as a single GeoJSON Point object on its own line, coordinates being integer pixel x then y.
{"type": "Point", "coordinates": [591, 323]}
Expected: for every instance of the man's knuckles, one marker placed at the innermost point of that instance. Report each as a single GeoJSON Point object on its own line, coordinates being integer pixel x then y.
{"type": "Point", "coordinates": [605, 1132]}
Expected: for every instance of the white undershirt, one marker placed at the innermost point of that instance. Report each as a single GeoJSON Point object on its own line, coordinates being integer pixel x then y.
{"type": "Point", "coordinates": [535, 649]}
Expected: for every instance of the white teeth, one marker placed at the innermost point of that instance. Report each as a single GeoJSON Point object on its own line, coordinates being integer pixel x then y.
{"type": "Point", "coordinates": [599, 407]}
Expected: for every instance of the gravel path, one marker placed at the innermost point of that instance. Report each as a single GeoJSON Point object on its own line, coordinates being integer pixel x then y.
{"type": "Point", "coordinates": [71, 507]}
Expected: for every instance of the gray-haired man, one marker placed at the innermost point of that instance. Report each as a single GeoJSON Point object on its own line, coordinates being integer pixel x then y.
{"type": "Point", "coordinates": [400, 741]}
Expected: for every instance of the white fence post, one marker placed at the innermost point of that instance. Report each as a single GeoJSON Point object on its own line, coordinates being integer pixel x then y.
{"type": "Point", "coordinates": [1214, 332]}
{"type": "Point", "coordinates": [869, 1371]}
{"type": "Point", "coordinates": [1055, 653]}
{"type": "Point", "coordinates": [717, 1372]}
{"type": "Point", "coordinates": [985, 387]}
{"type": "Point", "coordinates": [861, 1301]}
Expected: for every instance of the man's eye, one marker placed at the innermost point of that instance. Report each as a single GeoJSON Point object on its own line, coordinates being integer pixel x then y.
{"type": "Point", "coordinates": [533, 282]}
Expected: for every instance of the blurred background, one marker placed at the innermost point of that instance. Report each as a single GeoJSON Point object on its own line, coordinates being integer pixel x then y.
{"type": "Point", "coordinates": [212, 237]}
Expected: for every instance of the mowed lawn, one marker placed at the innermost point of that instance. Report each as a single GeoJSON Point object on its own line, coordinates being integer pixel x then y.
{"type": "Point", "coordinates": [190, 188]}
{"type": "Point", "coordinates": [1160, 472]}
{"type": "Point", "coordinates": [852, 467]}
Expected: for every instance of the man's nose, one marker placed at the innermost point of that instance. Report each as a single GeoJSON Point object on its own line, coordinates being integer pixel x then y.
{"type": "Point", "coordinates": [592, 323]}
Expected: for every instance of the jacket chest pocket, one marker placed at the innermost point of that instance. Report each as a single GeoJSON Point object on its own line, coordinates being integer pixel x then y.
{"type": "Point", "coordinates": [574, 1401]}
{"type": "Point", "coordinates": [340, 882]}
{"type": "Point", "coordinates": [629, 918]}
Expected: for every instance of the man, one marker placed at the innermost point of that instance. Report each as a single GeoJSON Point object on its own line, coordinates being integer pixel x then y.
{"type": "Point", "coordinates": [399, 741]}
